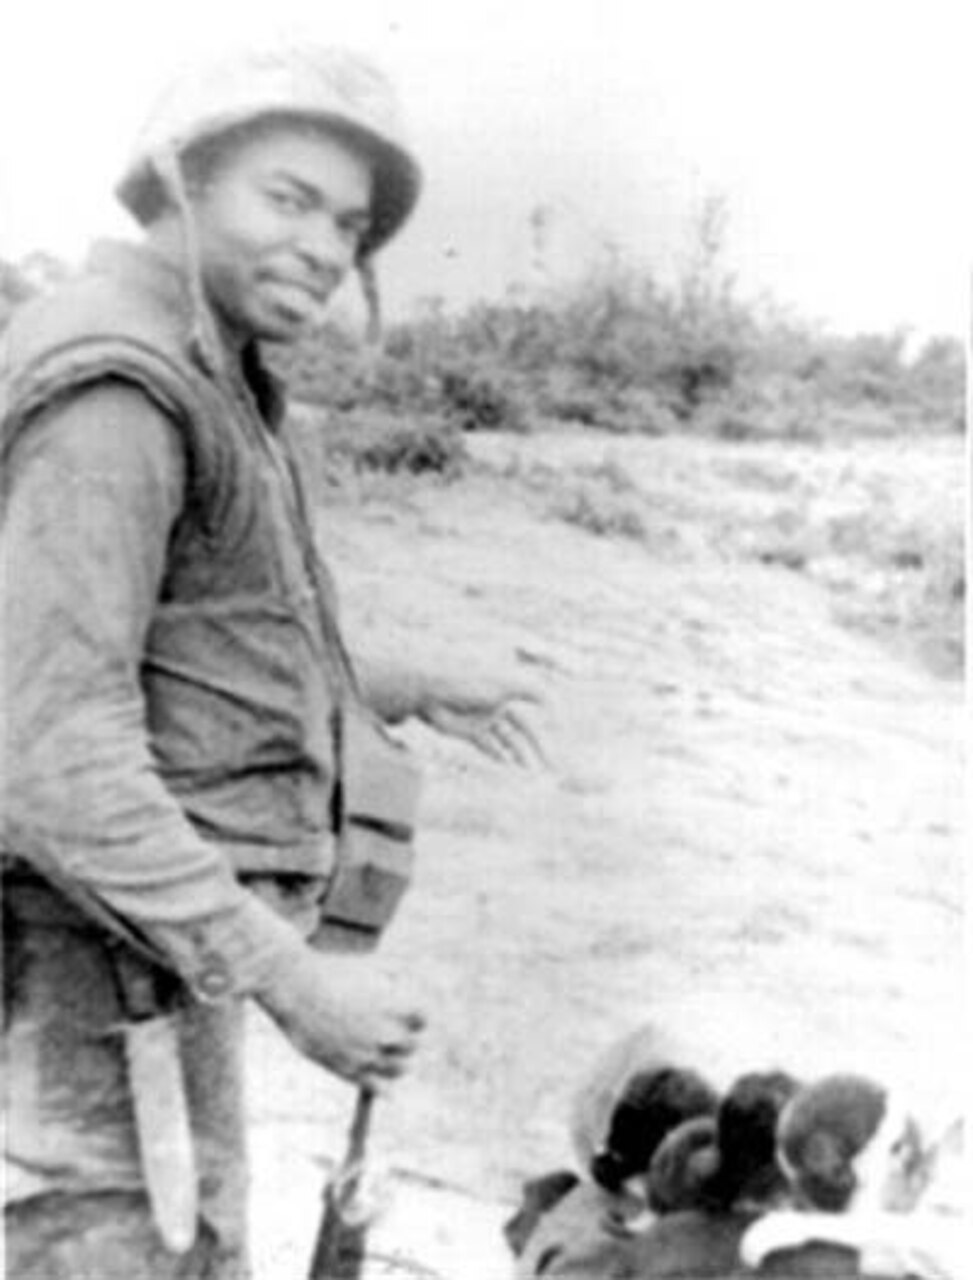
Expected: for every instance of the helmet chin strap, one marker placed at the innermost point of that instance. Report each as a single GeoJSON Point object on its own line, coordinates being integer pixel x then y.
{"type": "Point", "coordinates": [204, 334]}
{"type": "Point", "coordinates": [369, 286]}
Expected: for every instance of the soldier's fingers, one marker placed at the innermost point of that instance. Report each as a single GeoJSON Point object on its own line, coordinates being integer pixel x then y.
{"type": "Point", "coordinates": [485, 740]}
{"type": "Point", "coordinates": [510, 742]}
{"type": "Point", "coordinates": [525, 721]}
{"type": "Point", "coordinates": [522, 739]}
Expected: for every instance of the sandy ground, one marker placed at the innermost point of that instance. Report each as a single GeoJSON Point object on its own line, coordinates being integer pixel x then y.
{"type": "Point", "coordinates": [751, 833]}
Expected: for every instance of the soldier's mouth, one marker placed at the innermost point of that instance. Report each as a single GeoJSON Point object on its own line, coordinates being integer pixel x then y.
{"type": "Point", "coordinates": [296, 298]}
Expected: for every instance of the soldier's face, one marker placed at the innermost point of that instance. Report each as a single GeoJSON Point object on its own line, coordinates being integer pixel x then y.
{"type": "Point", "coordinates": [280, 218]}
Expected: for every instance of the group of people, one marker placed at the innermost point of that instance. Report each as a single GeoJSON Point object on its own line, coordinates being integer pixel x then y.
{"type": "Point", "coordinates": [200, 803]}
{"type": "Point", "coordinates": [773, 1177]}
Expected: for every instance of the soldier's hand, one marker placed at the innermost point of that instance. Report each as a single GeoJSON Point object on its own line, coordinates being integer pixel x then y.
{"type": "Point", "coordinates": [344, 1014]}
{"type": "Point", "coordinates": [499, 713]}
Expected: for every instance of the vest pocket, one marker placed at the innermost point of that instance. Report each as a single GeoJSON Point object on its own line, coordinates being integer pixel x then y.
{"type": "Point", "coordinates": [241, 719]}
{"type": "Point", "coordinates": [378, 799]}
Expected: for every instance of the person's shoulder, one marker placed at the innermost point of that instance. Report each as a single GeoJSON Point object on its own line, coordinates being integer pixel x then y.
{"type": "Point", "coordinates": [688, 1243]}
{"type": "Point", "coordinates": [540, 1196]}
{"type": "Point", "coordinates": [110, 407]}
{"type": "Point", "coordinates": [575, 1237]}
{"type": "Point", "coordinates": [115, 331]}
{"type": "Point", "coordinates": [123, 300]}
{"type": "Point", "coordinates": [110, 434]}
{"type": "Point", "coordinates": [812, 1260]}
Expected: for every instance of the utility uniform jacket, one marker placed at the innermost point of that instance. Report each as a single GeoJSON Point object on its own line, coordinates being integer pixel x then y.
{"type": "Point", "coordinates": [174, 671]}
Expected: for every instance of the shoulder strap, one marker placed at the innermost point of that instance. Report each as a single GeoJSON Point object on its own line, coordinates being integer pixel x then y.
{"type": "Point", "coordinates": [324, 592]}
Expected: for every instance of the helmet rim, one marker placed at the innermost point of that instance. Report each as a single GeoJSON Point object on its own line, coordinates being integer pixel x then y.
{"type": "Point", "coordinates": [369, 123]}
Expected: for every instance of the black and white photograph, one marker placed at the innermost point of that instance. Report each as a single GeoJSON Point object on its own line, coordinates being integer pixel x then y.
{"type": "Point", "coordinates": [484, 494]}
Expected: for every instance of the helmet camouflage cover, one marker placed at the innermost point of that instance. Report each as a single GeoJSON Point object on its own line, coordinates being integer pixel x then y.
{"type": "Point", "coordinates": [334, 87]}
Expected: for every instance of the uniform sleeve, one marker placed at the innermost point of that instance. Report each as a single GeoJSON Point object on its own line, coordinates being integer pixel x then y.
{"type": "Point", "coordinates": [95, 487]}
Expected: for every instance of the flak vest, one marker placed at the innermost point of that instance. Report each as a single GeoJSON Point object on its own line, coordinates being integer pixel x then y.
{"type": "Point", "coordinates": [252, 710]}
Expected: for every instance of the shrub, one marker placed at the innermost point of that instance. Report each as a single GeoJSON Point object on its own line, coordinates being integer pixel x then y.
{"type": "Point", "coordinates": [600, 511]}
{"type": "Point", "coordinates": [630, 410]}
{"type": "Point", "coordinates": [603, 499]}
{"type": "Point", "coordinates": [619, 352]}
{"type": "Point", "coordinates": [417, 447]}
{"type": "Point", "coordinates": [478, 400]}
{"type": "Point", "coordinates": [361, 441]}
{"type": "Point", "coordinates": [14, 289]}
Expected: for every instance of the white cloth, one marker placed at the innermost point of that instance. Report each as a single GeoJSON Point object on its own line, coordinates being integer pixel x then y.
{"type": "Point", "coordinates": [925, 1244]}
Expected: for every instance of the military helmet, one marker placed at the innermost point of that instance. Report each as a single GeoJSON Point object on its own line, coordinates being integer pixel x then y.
{"type": "Point", "coordinates": [333, 86]}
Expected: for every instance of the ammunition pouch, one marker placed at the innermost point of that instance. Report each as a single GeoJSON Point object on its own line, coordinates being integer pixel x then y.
{"type": "Point", "coordinates": [376, 801]}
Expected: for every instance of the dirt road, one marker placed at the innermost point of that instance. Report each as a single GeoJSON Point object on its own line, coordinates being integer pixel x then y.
{"type": "Point", "coordinates": [752, 833]}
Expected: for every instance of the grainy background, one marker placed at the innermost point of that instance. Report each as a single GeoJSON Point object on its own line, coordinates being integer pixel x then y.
{"type": "Point", "coordinates": [752, 832]}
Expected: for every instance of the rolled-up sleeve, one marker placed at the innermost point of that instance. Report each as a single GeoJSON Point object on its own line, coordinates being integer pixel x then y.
{"type": "Point", "coordinates": [95, 488]}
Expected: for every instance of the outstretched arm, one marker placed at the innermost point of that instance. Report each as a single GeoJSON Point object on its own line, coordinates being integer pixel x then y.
{"type": "Point", "coordinates": [498, 713]}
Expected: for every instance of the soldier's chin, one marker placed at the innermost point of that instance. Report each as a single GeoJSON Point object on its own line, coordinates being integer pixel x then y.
{"type": "Point", "coordinates": [288, 324]}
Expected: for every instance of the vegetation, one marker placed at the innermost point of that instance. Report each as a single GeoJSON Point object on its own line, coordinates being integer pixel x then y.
{"type": "Point", "coordinates": [621, 354]}
{"type": "Point", "coordinates": [617, 352]}
{"type": "Point", "coordinates": [14, 289]}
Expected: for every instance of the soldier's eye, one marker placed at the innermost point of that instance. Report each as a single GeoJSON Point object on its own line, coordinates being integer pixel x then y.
{"type": "Point", "coordinates": [285, 199]}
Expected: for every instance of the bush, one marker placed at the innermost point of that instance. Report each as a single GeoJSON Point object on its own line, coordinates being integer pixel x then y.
{"type": "Point", "coordinates": [415, 448]}
{"type": "Point", "coordinates": [619, 352]}
{"type": "Point", "coordinates": [331, 444]}
{"type": "Point", "coordinates": [14, 289]}
{"type": "Point", "coordinates": [629, 410]}
{"type": "Point", "coordinates": [600, 511]}
{"type": "Point", "coordinates": [478, 400]}
{"type": "Point", "coordinates": [603, 500]}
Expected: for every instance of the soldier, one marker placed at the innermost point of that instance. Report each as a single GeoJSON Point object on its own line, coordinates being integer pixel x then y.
{"type": "Point", "coordinates": [196, 785]}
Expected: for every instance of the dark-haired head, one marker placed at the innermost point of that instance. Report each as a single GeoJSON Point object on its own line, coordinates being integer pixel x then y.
{"type": "Point", "coordinates": [652, 1104]}
{"type": "Point", "coordinates": [746, 1139]}
{"type": "Point", "coordinates": [732, 1165]}
{"type": "Point", "coordinates": [683, 1166]}
{"type": "Point", "coordinates": [824, 1133]}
